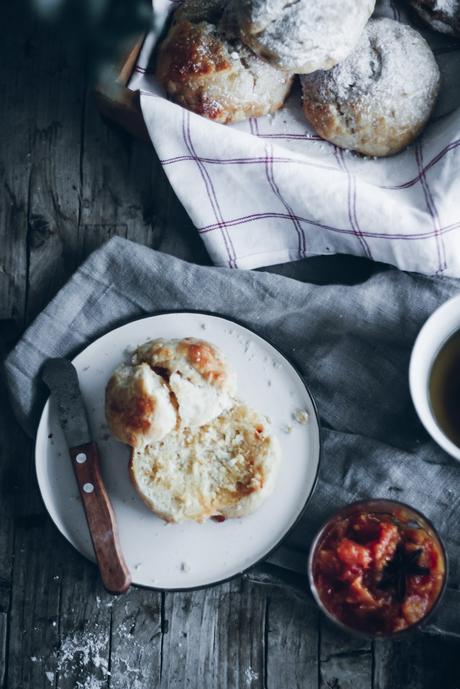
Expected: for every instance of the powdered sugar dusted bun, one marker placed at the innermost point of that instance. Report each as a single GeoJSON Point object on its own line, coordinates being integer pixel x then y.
{"type": "Point", "coordinates": [138, 407]}
{"type": "Point", "coordinates": [441, 15]}
{"type": "Point", "coordinates": [197, 374]}
{"type": "Point", "coordinates": [378, 99]}
{"type": "Point", "coordinates": [226, 468]}
{"type": "Point", "coordinates": [302, 36]}
{"type": "Point", "coordinates": [205, 67]}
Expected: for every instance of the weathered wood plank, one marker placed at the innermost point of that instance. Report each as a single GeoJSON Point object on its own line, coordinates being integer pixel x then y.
{"type": "Point", "coordinates": [345, 661]}
{"type": "Point", "coordinates": [136, 640]}
{"type": "Point", "coordinates": [125, 190]}
{"type": "Point", "coordinates": [33, 622]}
{"type": "Point", "coordinates": [34, 614]}
{"type": "Point", "coordinates": [292, 642]}
{"type": "Point", "coordinates": [15, 160]}
{"type": "Point", "coordinates": [14, 469]}
{"type": "Point", "coordinates": [95, 235]}
{"type": "Point", "coordinates": [131, 189]}
{"type": "Point", "coordinates": [116, 179]}
{"type": "Point", "coordinates": [8, 480]}
{"type": "Point", "coordinates": [441, 663]}
{"type": "Point", "coordinates": [399, 665]}
{"type": "Point", "coordinates": [215, 638]}
{"type": "Point", "coordinates": [83, 651]}
{"type": "Point", "coordinates": [3, 635]}
{"type": "Point", "coordinates": [12, 445]}
{"type": "Point", "coordinates": [417, 661]}
{"type": "Point", "coordinates": [57, 92]}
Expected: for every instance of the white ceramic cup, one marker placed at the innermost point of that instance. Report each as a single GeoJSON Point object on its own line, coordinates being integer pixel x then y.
{"type": "Point", "coordinates": [439, 327]}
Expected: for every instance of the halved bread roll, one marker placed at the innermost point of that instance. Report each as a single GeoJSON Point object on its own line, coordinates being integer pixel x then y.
{"type": "Point", "coordinates": [138, 405]}
{"type": "Point", "coordinates": [225, 468]}
{"type": "Point", "coordinates": [197, 374]}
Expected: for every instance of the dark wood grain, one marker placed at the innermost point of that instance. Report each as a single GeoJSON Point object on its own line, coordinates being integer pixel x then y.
{"type": "Point", "coordinates": [345, 661]}
{"type": "Point", "coordinates": [15, 162]}
{"type": "Point", "coordinates": [83, 650]}
{"type": "Point", "coordinates": [33, 625]}
{"type": "Point", "coordinates": [291, 631]}
{"type": "Point", "coordinates": [56, 95]}
{"type": "Point", "coordinates": [215, 638]}
{"type": "Point", "coordinates": [137, 639]}
{"type": "Point", "coordinates": [69, 182]}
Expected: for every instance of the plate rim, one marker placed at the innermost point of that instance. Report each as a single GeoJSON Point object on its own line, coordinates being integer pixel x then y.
{"type": "Point", "coordinates": [262, 559]}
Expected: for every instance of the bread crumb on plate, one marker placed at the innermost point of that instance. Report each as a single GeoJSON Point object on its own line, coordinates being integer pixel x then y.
{"type": "Point", "coordinates": [301, 416]}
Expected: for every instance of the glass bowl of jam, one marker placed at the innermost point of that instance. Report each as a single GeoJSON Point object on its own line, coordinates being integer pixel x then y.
{"type": "Point", "coordinates": [377, 568]}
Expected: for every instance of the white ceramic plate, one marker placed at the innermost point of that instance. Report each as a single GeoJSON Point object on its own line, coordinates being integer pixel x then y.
{"type": "Point", "coordinates": [188, 555]}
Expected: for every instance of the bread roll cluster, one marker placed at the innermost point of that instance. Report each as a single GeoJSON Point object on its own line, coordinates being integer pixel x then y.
{"type": "Point", "coordinates": [197, 451]}
{"type": "Point", "coordinates": [368, 85]}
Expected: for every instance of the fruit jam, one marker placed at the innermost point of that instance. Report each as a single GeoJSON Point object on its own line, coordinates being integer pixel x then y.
{"type": "Point", "coordinates": [378, 573]}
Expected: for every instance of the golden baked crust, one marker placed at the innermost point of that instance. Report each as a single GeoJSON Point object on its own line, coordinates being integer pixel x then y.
{"type": "Point", "coordinates": [163, 355]}
{"type": "Point", "coordinates": [204, 358]}
{"type": "Point", "coordinates": [177, 381]}
{"type": "Point", "coordinates": [208, 71]}
{"type": "Point", "coordinates": [187, 62]}
{"type": "Point", "coordinates": [197, 374]}
{"type": "Point", "coordinates": [138, 407]}
{"type": "Point", "coordinates": [132, 413]}
{"type": "Point", "coordinates": [378, 100]}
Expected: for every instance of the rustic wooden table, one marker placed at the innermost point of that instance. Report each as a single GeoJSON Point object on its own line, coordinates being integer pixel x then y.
{"type": "Point", "coordinates": [70, 181]}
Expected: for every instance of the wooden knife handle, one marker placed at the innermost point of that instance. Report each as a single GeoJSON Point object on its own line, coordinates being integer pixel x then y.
{"type": "Point", "coordinates": [101, 518]}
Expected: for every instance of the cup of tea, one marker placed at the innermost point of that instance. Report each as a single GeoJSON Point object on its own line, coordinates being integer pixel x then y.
{"type": "Point", "coordinates": [434, 376]}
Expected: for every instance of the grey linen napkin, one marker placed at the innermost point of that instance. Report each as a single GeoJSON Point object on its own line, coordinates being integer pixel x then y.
{"type": "Point", "coordinates": [351, 343]}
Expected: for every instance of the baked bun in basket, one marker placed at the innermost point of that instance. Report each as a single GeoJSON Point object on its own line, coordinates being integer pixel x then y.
{"type": "Point", "coordinates": [379, 99]}
{"type": "Point", "coordinates": [205, 67]}
{"type": "Point", "coordinates": [304, 35]}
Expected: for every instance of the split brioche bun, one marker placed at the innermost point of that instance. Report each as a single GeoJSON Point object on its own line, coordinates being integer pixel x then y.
{"type": "Point", "coordinates": [197, 375]}
{"type": "Point", "coordinates": [225, 468]}
{"type": "Point", "coordinates": [138, 405]}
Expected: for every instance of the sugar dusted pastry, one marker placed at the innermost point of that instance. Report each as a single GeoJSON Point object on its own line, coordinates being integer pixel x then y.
{"type": "Point", "coordinates": [379, 99]}
{"type": "Point", "coordinates": [301, 36]}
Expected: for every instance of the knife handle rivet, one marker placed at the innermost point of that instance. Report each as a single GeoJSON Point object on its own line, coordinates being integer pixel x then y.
{"type": "Point", "coordinates": [81, 458]}
{"type": "Point", "coordinates": [88, 487]}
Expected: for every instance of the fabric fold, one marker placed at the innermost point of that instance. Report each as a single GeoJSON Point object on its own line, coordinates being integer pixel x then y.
{"type": "Point", "coordinates": [351, 344]}
{"type": "Point", "coordinates": [270, 190]}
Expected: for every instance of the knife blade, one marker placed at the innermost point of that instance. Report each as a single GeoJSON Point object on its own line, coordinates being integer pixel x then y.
{"type": "Point", "coordinates": [62, 380]}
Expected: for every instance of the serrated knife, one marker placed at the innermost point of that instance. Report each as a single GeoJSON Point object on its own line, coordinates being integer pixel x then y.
{"type": "Point", "coordinates": [61, 378]}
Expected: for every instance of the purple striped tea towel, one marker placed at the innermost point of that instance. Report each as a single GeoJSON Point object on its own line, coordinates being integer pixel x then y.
{"type": "Point", "coordinates": [269, 190]}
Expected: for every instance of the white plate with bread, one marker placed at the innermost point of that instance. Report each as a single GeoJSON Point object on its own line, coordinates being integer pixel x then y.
{"type": "Point", "coordinates": [211, 482]}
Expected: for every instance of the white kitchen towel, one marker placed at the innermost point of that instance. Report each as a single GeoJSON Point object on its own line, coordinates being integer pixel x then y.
{"type": "Point", "coordinates": [269, 190]}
